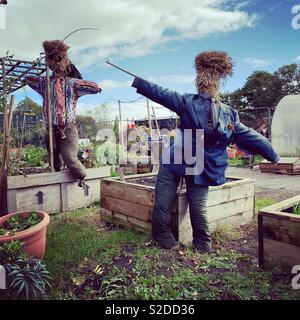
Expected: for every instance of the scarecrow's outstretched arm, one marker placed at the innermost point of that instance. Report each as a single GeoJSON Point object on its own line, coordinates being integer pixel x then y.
{"type": "Point", "coordinates": [83, 87]}
{"type": "Point", "coordinates": [169, 99]}
{"type": "Point", "coordinates": [252, 141]}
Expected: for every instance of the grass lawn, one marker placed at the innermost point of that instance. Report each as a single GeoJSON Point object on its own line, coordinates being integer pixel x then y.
{"type": "Point", "coordinates": [89, 259]}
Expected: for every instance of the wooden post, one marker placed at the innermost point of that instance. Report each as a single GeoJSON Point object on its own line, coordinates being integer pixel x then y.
{"type": "Point", "coordinates": [156, 122]}
{"type": "Point", "coordinates": [10, 118]}
{"type": "Point", "coordinates": [260, 241]}
{"type": "Point", "coordinates": [156, 165]}
{"type": "Point", "coordinates": [49, 113]}
{"type": "Point", "coordinates": [11, 110]}
{"type": "Point", "coordinates": [121, 131]}
{"type": "Point", "coordinates": [22, 133]}
{"type": "Point", "coordinates": [149, 118]}
{"type": "Point", "coordinates": [3, 172]}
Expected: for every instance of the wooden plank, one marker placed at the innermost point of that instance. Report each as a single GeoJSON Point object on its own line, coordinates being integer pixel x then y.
{"type": "Point", "coordinates": [222, 210]}
{"type": "Point", "coordinates": [185, 237]}
{"type": "Point", "coordinates": [217, 196]}
{"type": "Point", "coordinates": [233, 191]}
{"type": "Point", "coordinates": [77, 197]}
{"type": "Point", "coordinates": [127, 208]}
{"type": "Point", "coordinates": [43, 179]}
{"type": "Point", "coordinates": [64, 196]}
{"type": "Point", "coordinates": [12, 201]}
{"type": "Point", "coordinates": [279, 206]}
{"type": "Point", "coordinates": [261, 253]}
{"type": "Point", "coordinates": [281, 253]}
{"type": "Point", "coordinates": [143, 196]}
{"type": "Point", "coordinates": [281, 230]}
{"type": "Point", "coordinates": [229, 209]}
{"type": "Point", "coordinates": [27, 200]}
{"type": "Point", "coordinates": [126, 221]}
{"type": "Point", "coordinates": [283, 160]}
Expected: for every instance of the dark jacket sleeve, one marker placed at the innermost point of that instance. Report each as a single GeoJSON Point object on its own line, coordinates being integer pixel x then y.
{"type": "Point", "coordinates": [169, 99]}
{"type": "Point", "coordinates": [252, 141]}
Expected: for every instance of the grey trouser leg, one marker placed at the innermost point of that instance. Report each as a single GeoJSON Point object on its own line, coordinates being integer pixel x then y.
{"type": "Point", "coordinates": [69, 150]}
{"type": "Point", "coordinates": [197, 197]}
{"type": "Point", "coordinates": [165, 194]}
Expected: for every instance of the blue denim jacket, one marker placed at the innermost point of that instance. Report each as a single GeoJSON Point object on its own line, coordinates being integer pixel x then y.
{"type": "Point", "coordinates": [191, 108]}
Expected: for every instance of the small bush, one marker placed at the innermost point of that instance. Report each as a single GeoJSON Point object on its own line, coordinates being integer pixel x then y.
{"type": "Point", "coordinates": [34, 156]}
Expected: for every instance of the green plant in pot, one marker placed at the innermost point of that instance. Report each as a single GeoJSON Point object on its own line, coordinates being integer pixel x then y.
{"type": "Point", "coordinates": [26, 277]}
{"type": "Point", "coordinates": [28, 227]}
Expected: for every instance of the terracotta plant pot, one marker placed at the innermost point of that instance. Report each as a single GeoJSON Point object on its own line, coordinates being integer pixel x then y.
{"type": "Point", "coordinates": [34, 238]}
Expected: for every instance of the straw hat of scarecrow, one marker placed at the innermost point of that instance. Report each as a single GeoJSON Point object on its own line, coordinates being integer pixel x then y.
{"type": "Point", "coordinates": [211, 68]}
{"type": "Point", "coordinates": [56, 57]}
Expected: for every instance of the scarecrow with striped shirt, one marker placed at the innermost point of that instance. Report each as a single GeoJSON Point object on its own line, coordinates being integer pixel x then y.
{"type": "Point", "coordinates": [66, 87]}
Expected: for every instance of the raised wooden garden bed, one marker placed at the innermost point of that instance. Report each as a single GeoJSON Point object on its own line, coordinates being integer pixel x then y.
{"type": "Point", "coordinates": [53, 192]}
{"type": "Point", "coordinates": [279, 234]}
{"type": "Point", "coordinates": [130, 203]}
{"type": "Point", "coordinates": [288, 166]}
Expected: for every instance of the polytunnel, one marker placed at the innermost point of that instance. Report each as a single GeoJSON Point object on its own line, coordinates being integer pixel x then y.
{"type": "Point", "coordinates": [286, 127]}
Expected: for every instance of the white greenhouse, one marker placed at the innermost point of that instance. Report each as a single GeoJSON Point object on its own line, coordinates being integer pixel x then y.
{"type": "Point", "coordinates": [286, 127]}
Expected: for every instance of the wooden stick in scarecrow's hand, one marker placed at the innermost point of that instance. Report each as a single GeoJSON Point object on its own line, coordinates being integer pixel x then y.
{"type": "Point", "coordinates": [115, 66]}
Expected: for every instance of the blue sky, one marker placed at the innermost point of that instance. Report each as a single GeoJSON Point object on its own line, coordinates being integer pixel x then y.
{"type": "Point", "coordinates": [157, 40]}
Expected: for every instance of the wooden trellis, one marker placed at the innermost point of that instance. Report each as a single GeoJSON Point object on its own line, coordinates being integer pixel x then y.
{"type": "Point", "coordinates": [13, 75]}
{"type": "Point", "coordinates": [14, 71]}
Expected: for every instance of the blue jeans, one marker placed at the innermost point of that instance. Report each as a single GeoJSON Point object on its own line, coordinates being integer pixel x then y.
{"type": "Point", "coordinates": [165, 194]}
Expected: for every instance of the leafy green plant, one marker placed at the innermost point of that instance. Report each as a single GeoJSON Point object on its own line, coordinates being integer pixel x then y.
{"type": "Point", "coordinates": [10, 251]}
{"type": "Point", "coordinates": [35, 156]}
{"type": "Point", "coordinates": [19, 223]}
{"type": "Point", "coordinates": [28, 278]}
{"type": "Point", "coordinates": [296, 209]}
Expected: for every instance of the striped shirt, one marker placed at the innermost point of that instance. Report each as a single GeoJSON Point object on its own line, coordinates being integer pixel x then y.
{"type": "Point", "coordinates": [64, 93]}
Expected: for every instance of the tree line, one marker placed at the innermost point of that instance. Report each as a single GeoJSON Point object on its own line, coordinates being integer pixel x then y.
{"type": "Point", "coordinates": [265, 89]}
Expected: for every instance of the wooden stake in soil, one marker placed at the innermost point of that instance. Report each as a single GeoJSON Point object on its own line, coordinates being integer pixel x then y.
{"type": "Point", "coordinates": [3, 177]}
{"type": "Point", "coordinates": [50, 129]}
{"type": "Point", "coordinates": [121, 133]}
{"type": "Point", "coordinates": [5, 154]}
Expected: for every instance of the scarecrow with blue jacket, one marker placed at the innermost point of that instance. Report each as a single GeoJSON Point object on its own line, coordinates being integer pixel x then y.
{"type": "Point", "coordinates": [221, 126]}
{"type": "Point", "coordinates": [66, 87]}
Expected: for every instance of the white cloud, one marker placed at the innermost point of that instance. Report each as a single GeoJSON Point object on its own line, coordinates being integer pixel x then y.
{"type": "Point", "coordinates": [129, 111]}
{"type": "Point", "coordinates": [109, 84]}
{"type": "Point", "coordinates": [297, 59]}
{"type": "Point", "coordinates": [259, 63]}
{"type": "Point", "coordinates": [246, 3]}
{"type": "Point", "coordinates": [173, 79]}
{"type": "Point", "coordinates": [275, 6]}
{"type": "Point", "coordinates": [128, 28]}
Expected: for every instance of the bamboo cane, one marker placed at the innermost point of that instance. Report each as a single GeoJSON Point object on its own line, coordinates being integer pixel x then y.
{"type": "Point", "coordinates": [117, 67]}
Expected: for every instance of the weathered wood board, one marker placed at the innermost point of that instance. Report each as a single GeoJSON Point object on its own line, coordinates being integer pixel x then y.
{"type": "Point", "coordinates": [60, 191]}
{"type": "Point", "coordinates": [131, 204]}
{"type": "Point", "coordinates": [279, 235]}
{"type": "Point", "coordinates": [285, 165]}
